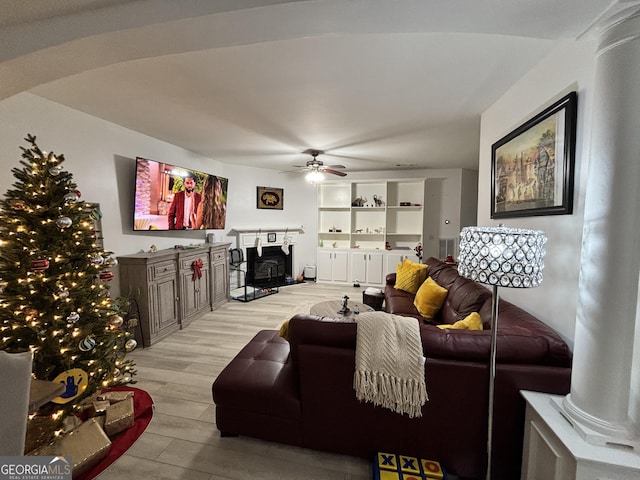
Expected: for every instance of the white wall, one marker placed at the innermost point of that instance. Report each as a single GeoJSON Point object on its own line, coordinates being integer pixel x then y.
{"type": "Point", "coordinates": [570, 67]}
{"type": "Point", "coordinates": [101, 157]}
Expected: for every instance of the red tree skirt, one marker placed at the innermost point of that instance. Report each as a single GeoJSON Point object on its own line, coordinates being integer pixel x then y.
{"type": "Point", "coordinates": [143, 412]}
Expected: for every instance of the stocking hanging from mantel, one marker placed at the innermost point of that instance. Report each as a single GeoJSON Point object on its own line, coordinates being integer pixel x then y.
{"type": "Point", "coordinates": [259, 243]}
{"type": "Point", "coordinates": [285, 242]}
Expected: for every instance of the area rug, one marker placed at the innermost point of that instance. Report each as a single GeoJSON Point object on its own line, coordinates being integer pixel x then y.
{"type": "Point", "coordinates": [143, 412]}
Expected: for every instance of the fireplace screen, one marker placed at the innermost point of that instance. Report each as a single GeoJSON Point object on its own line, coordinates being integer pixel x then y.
{"type": "Point", "coordinates": [269, 269]}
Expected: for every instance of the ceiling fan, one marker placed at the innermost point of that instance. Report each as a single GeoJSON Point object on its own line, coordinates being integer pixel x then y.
{"type": "Point", "coordinates": [316, 168]}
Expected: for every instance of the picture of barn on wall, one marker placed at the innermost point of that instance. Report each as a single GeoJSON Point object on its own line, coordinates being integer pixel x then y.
{"type": "Point", "coordinates": [270, 198]}
{"type": "Point", "coordinates": [532, 167]}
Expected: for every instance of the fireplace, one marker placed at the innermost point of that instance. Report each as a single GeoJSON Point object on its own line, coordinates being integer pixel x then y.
{"type": "Point", "coordinates": [271, 268]}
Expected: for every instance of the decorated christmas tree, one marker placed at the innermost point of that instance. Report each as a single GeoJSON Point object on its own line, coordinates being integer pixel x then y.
{"type": "Point", "coordinates": [54, 294]}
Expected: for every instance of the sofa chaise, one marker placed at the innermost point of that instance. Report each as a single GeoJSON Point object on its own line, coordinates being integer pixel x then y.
{"type": "Point", "coordinates": [300, 391]}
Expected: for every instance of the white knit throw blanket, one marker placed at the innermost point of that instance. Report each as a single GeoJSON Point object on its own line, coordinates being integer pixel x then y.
{"type": "Point", "coordinates": [390, 363]}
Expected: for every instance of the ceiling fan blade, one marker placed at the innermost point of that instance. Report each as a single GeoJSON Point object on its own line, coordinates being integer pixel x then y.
{"type": "Point", "coordinates": [334, 172]}
{"type": "Point", "coordinates": [336, 166]}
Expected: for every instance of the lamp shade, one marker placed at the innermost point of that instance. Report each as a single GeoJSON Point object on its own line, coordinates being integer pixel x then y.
{"type": "Point", "coordinates": [508, 257]}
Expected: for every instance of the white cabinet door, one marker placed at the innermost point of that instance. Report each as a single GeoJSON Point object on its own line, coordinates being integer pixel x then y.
{"type": "Point", "coordinates": [325, 260]}
{"type": "Point", "coordinates": [332, 266]}
{"type": "Point", "coordinates": [393, 259]}
{"type": "Point", "coordinates": [359, 266]}
{"type": "Point", "coordinates": [340, 267]}
{"type": "Point", "coordinates": [366, 267]}
{"type": "Point", "coordinates": [374, 268]}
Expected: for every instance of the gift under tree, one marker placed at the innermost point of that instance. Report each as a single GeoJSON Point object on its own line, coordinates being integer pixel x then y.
{"type": "Point", "coordinates": [54, 298]}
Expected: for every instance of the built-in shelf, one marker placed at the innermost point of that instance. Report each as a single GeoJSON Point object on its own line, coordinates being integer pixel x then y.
{"type": "Point", "coordinates": [374, 236]}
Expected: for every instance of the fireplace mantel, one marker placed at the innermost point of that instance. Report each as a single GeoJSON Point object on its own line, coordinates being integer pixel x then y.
{"type": "Point", "coordinates": [246, 237]}
{"type": "Point", "coordinates": [235, 231]}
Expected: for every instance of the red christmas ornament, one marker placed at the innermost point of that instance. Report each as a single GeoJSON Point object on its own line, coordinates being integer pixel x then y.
{"type": "Point", "coordinates": [106, 276]}
{"type": "Point", "coordinates": [40, 265]}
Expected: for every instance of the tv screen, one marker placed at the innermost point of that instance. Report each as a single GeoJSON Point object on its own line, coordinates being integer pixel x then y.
{"type": "Point", "coordinates": [168, 197]}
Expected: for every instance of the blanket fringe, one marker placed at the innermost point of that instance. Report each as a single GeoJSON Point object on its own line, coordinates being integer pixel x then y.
{"type": "Point", "coordinates": [397, 394]}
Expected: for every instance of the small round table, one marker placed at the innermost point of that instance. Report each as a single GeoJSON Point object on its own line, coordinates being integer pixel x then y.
{"type": "Point", "coordinates": [331, 308]}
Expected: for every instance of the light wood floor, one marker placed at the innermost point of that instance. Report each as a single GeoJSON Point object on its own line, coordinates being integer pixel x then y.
{"type": "Point", "coordinates": [182, 441]}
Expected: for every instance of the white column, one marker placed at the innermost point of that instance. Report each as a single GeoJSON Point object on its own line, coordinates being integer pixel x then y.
{"type": "Point", "coordinates": [598, 404]}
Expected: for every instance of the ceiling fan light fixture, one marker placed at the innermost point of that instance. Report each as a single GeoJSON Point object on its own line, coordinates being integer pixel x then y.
{"type": "Point", "coordinates": [314, 176]}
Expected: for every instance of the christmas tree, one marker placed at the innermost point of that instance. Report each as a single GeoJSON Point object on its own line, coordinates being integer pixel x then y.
{"type": "Point", "coordinates": [54, 296]}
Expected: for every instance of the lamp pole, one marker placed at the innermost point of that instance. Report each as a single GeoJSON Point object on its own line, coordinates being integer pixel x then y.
{"type": "Point", "coordinates": [492, 374]}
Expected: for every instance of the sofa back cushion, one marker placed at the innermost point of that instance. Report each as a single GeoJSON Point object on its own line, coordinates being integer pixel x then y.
{"type": "Point", "coordinates": [465, 296]}
{"type": "Point", "coordinates": [529, 343]}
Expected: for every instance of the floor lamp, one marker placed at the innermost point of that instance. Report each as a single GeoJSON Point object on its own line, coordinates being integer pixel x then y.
{"type": "Point", "coordinates": [500, 257]}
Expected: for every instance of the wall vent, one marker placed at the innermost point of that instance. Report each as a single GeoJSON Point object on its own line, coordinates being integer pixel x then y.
{"type": "Point", "coordinates": [448, 246]}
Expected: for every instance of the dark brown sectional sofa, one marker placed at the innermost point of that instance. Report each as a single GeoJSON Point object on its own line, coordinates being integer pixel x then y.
{"type": "Point", "coordinates": [301, 392]}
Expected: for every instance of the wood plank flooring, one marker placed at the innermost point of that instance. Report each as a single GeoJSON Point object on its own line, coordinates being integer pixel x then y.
{"type": "Point", "coordinates": [182, 441]}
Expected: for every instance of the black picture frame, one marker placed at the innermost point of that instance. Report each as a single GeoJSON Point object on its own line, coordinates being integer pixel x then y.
{"type": "Point", "coordinates": [532, 168]}
{"type": "Point", "coordinates": [270, 198]}
{"type": "Point", "coordinates": [271, 237]}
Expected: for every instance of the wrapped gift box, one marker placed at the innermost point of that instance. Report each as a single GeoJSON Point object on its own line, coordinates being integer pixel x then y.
{"type": "Point", "coordinates": [87, 445]}
{"type": "Point", "coordinates": [115, 396]}
{"type": "Point", "coordinates": [119, 416]}
{"type": "Point", "coordinates": [40, 431]}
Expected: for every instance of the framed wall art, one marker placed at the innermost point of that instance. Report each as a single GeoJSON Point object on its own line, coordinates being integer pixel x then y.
{"type": "Point", "coordinates": [270, 198]}
{"type": "Point", "coordinates": [532, 167]}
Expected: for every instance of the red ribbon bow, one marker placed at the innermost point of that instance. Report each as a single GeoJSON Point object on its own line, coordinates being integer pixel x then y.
{"type": "Point", "coordinates": [196, 265]}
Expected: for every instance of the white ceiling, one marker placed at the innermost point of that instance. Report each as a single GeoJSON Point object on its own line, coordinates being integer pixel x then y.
{"type": "Point", "coordinates": [374, 83]}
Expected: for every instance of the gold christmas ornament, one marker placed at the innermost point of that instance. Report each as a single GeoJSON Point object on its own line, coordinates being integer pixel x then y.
{"type": "Point", "coordinates": [116, 321]}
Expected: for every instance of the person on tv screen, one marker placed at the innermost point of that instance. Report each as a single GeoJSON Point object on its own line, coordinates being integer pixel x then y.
{"type": "Point", "coordinates": [211, 212]}
{"type": "Point", "coordinates": [182, 212]}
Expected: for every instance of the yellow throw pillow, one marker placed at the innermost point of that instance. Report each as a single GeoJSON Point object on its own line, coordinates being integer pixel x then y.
{"type": "Point", "coordinates": [410, 275]}
{"type": "Point", "coordinates": [429, 298]}
{"type": "Point", "coordinates": [284, 330]}
{"type": "Point", "coordinates": [470, 322]}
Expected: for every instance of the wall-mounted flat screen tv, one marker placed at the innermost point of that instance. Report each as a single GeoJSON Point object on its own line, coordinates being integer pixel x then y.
{"type": "Point", "coordinates": [168, 197]}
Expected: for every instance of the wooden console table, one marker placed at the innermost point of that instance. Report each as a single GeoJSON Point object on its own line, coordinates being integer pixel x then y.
{"type": "Point", "coordinates": [169, 291]}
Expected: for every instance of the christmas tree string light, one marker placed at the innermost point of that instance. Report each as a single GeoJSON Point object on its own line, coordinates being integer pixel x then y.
{"type": "Point", "coordinates": [54, 300]}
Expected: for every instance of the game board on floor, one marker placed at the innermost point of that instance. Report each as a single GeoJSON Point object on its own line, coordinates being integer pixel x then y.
{"type": "Point", "coordinates": [389, 466]}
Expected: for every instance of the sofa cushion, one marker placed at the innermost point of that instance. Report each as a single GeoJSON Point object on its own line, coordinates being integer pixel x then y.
{"type": "Point", "coordinates": [400, 302]}
{"type": "Point", "coordinates": [475, 346]}
{"type": "Point", "coordinates": [429, 298]}
{"type": "Point", "coordinates": [260, 370]}
{"type": "Point", "coordinates": [410, 275]}
{"type": "Point", "coordinates": [465, 297]}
